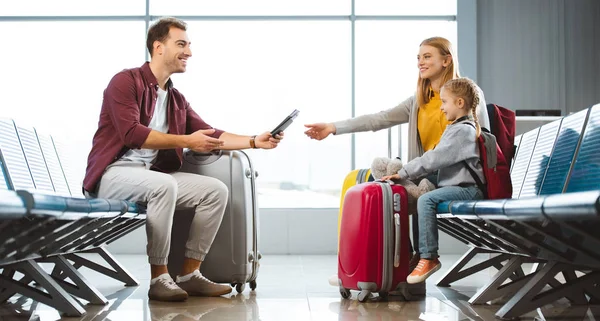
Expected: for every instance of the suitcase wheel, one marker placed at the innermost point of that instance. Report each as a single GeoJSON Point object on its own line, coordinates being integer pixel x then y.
{"type": "Point", "coordinates": [345, 293]}
{"type": "Point", "coordinates": [240, 287]}
{"type": "Point", "coordinates": [253, 285]}
{"type": "Point", "coordinates": [364, 295]}
{"type": "Point", "coordinates": [384, 295]}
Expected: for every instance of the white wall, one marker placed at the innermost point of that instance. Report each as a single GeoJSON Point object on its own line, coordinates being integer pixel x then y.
{"type": "Point", "coordinates": [539, 54]}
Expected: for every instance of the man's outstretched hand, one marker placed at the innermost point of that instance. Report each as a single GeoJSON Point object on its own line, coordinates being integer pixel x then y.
{"type": "Point", "coordinates": [266, 141]}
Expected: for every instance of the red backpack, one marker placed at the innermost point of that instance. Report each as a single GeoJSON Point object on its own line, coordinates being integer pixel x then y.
{"type": "Point", "coordinates": [495, 168]}
{"type": "Point", "coordinates": [503, 125]}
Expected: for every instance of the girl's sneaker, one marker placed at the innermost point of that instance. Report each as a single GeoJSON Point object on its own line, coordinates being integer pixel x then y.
{"type": "Point", "coordinates": [424, 269]}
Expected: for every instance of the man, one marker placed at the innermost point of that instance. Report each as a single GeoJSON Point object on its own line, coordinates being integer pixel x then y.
{"type": "Point", "coordinates": [137, 151]}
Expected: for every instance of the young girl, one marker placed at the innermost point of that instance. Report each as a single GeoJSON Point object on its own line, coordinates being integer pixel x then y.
{"type": "Point", "coordinates": [458, 143]}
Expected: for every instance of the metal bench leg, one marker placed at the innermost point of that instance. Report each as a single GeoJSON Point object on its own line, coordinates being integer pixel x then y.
{"type": "Point", "coordinates": [459, 302]}
{"type": "Point", "coordinates": [21, 306]}
{"type": "Point", "coordinates": [531, 297]}
{"type": "Point", "coordinates": [594, 294]}
{"type": "Point", "coordinates": [54, 296]}
{"type": "Point", "coordinates": [80, 286]}
{"type": "Point", "coordinates": [118, 272]}
{"type": "Point", "coordinates": [455, 273]}
{"type": "Point", "coordinates": [496, 288]}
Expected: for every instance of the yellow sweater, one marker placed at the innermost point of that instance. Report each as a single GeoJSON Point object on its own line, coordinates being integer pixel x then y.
{"type": "Point", "coordinates": [431, 122]}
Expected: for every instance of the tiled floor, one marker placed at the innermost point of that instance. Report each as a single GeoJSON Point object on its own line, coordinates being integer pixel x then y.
{"type": "Point", "coordinates": [289, 288]}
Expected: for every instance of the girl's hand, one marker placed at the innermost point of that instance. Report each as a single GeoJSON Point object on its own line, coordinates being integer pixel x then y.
{"type": "Point", "coordinates": [390, 177]}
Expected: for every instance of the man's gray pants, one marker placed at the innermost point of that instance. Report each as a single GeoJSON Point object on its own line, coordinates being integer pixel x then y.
{"type": "Point", "coordinates": [163, 193]}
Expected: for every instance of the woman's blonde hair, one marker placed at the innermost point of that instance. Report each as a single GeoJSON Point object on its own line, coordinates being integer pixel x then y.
{"type": "Point", "coordinates": [450, 72]}
{"type": "Point", "coordinates": [466, 89]}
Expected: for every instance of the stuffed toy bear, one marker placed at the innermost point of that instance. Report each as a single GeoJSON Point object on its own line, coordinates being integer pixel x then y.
{"type": "Point", "coordinates": [383, 166]}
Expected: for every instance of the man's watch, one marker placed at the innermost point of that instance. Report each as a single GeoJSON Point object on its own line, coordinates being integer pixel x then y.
{"type": "Point", "coordinates": [252, 141]}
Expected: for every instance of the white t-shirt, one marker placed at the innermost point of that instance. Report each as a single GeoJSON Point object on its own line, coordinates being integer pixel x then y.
{"type": "Point", "coordinates": [158, 123]}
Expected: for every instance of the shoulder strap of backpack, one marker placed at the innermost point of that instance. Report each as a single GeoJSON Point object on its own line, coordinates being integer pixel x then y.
{"type": "Point", "coordinates": [483, 129]}
{"type": "Point", "coordinates": [473, 174]}
{"type": "Point", "coordinates": [475, 177]}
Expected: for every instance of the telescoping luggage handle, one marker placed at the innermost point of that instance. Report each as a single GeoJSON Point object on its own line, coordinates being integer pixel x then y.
{"type": "Point", "coordinates": [397, 208]}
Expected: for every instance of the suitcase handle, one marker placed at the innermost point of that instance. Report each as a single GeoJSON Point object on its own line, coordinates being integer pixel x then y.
{"type": "Point", "coordinates": [397, 243]}
{"type": "Point", "coordinates": [198, 158]}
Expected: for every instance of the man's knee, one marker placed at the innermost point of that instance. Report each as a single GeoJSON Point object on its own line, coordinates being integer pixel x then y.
{"type": "Point", "coordinates": [167, 187]}
{"type": "Point", "coordinates": [220, 192]}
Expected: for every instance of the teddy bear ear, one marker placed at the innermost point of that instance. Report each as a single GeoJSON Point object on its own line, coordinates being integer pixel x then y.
{"type": "Point", "coordinates": [394, 166]}
{"type": "Point", "coordinates": [379, 167]}
{"type": "Point", "coordinates": [380, 162]}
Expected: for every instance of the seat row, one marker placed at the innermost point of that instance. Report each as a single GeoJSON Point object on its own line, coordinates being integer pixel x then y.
{"type": "Point", "coordinates": [44, 218]}
{"type": "Point", "coordinates": [552, 221]}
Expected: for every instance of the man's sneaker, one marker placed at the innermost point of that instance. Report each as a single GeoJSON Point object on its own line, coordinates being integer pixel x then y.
{"type": "Point", "coordinates": [334, 281]}
{"type": "Point", "coordinates": [163, 288]}
{"type": "Point", "coordinates": [197, 285]}
{"type": "Point", "coordinates": [424, 269]}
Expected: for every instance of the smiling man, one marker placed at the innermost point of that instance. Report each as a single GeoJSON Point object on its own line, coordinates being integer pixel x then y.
{"type": "Point", "coordinates": [137, 151]}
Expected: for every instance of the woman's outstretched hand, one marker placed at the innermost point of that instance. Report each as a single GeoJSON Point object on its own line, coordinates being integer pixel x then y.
{"type": "Point", "coordinates": [319, 131]}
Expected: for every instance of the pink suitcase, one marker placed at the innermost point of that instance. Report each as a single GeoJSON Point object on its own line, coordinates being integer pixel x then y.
{"type": "Point", "coordinates": [374, 241]}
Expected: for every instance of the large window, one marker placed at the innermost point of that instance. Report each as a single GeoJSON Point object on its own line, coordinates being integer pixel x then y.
{"type": "Point", "coordinates": [246, 76]}
{"type": "Point", "coordinates": [386, 74]}
{"type": "Point", "coordinates": [250, 7]}
{"type": "Point", "coordinates": [55, 73]}
{"type": "Point", "coordinates": [49, 8]}
{"type": "Point", "coordinates": [253, 63]}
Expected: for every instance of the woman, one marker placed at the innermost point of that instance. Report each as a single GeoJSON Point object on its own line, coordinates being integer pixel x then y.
{"type": "Point", "coordinates": [437, 64]}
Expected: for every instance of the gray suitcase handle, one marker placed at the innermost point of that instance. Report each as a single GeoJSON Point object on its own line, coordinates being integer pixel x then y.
{"type": "Point", "coordinates": [198, 158]}
{"type": "Point", "coordinates": [397, 243]}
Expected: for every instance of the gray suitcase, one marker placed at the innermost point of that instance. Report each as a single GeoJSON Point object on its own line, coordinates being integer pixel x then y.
{"type": "Point", "coordinates": [233, 257]}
